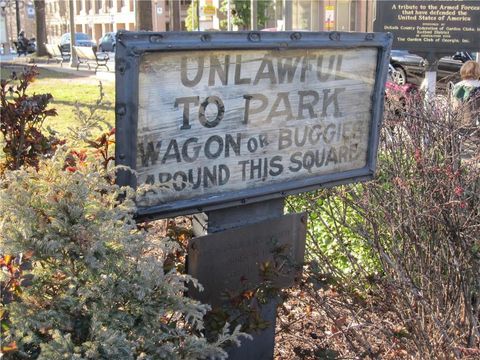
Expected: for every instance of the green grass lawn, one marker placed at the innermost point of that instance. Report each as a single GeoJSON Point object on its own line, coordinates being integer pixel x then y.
{"type": "Point", "coordinates": [68, 90]}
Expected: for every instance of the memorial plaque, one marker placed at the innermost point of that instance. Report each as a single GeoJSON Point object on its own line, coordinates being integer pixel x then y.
{"type": "Point", "coordinates": [231, 259]}
{"type": "Point", "coordinates": [431, 26]}
{"type": "Point", "coordinates": [258, 115]}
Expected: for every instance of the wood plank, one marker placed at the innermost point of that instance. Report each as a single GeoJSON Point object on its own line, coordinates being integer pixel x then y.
{"type": "Point", "coordinates": [221, 121]}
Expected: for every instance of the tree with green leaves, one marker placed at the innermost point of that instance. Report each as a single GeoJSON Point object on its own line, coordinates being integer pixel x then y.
{"type": "Point", "coordinates": [191, 21]}
{"type": "Point", "coordinates": [240, 11]}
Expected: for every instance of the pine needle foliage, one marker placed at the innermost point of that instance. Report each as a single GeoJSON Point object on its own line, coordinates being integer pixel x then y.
{"type": "Point", "coordinates": [100, 289]}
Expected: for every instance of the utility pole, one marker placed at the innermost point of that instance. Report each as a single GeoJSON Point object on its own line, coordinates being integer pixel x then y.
{"type": "Point", "coordinates": [73, 56]}
{"type": "Point", "coordinates": [198, 15]}
{"type": "Point", "coordinates": [229, 16]}
{"type": "Point", "coordinates": [17, 15]}
{"type": "Point", "coordinates": [287, 15]}
{"type": "Point", "coordinates": [253, 14]}
{"type": "Point", "coordinates": [4, 33]}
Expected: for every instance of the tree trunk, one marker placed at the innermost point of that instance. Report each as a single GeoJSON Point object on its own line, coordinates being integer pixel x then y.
{"type": "Point", "coordinates": [144, 15]}
{"type": "Point", "coordinates": [41, 27]}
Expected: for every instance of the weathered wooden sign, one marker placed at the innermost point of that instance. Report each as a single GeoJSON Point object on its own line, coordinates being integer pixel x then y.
{"type": "Point", "coordinates": [228, 260]}
{"type": "Point", "coordinates": [212, 119]}
{"type": "Point", "coordinates": [424, 26]}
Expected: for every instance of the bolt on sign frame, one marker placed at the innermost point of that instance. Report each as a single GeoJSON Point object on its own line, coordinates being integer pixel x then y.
{"type": "Point", "coordinates": [209, 120]}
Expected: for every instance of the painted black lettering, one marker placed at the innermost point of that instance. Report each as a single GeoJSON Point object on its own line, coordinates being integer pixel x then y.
{"type": "Point", "coordinates": [343, 154]}
{"type": "Point", "coordinates": [151, 153]}
{"type": "Point", "coordinates": [346, 131]}
{"type": "Point", "coordinates": [332, 156]}
{"type": "Point", "coordinates": [322, 73]}
{"type": "Point", "coordinates": [265, 168]}
{"type": "Point", "coordinates": [238, 70]}
{"type": "Point", "coordinates": [231, 143]}
{"type": "Point", "coordinates": [196, 150]}
{"type": "Point", "coordinates": [183, 71]}
{"type": "Point", "coordinates": [208, 144]}
{"type": "Point", "coordinates": [294, 159]}
{"type": "Point", "coordinates": [282, 97]}
{"type": "Point", "coordinates": [309, 105]}
{"type": "Point", "coordinates": [276, 167]}
{"type": "Point", "coordinates": [300, 142]}
{"type": "Point", "coordinates": [209, 176]}
{"type": "Point", "coordinates": [179, 185]}
{"type": "Point", "coordinates": [248, 111]}
{"type": "Point", "coordinates": [327, 100]}
{"type": "Point", "coordinates": [216, 67]}
{"type": "Point", "coordinates": [319, 160]}
{"type": "Point", "coordinates": [284, 139]}
{"type": "Point", "coordinates": [220, 111]}
{"type": "Point", "coordinates": [314, 134]}
{"type": "Point", "coordinates": [306, 66]}
{"type": "Point", "coordinates": [329, 134]}
{"type": "Point", "coordinates": [338, 69]}
{"type": "Point", "coordinates": [195, 183]}
{"type": "Point", "coordinates": [354, 152]}
{"type": "Point", "coordinates": [172, 152]}
{"type": "Point", "coordinates": [308, 160]}
{"type": "Point", "coordinates": [223, 174]}
{"type": "Point", "coordinates": [186, 101]}
{"type": "Point", "coordinates": [255, 167]}
{"type": "Point", "coordinates": [263, 139]}
{"type": "Point", "coordinates": [286, 67]}
{"type": "Point", "coordinates": [262, 74]}
{"type": "Point", "coordinates": [252, 144]}
{"type": "Point", "coordinates": [164, 178]}
{"type": "Point", "coordinates": [243, 164]}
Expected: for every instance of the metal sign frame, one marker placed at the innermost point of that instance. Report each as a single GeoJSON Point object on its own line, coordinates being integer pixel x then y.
{"type": "Point", "coordinates": [132, 45]}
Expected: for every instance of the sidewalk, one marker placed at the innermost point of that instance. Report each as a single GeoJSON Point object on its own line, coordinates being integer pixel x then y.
{"type": "Point", "coordinates": [102, 74]}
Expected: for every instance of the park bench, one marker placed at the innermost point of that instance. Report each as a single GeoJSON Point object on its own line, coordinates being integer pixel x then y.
{"type": "Point", "coordinates": [87, 55]}
{"type": "Point", "coordinates": [55, 53]}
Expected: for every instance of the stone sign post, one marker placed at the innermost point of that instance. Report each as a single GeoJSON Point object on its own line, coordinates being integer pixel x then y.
{"type": "Point", "coordinates": [226, 125]}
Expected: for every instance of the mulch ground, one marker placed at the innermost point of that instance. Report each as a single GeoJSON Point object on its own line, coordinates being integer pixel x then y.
{"type": "Point", "coordinates": [317, 319]}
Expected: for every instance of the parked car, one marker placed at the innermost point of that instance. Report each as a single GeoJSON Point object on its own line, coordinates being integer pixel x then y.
{"type": "Point", "coordinates": [107, 42]}
{"type": "Point", "coordinates": [81, 39]}
{"type": "Point", "coordinates": [410, 68]}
